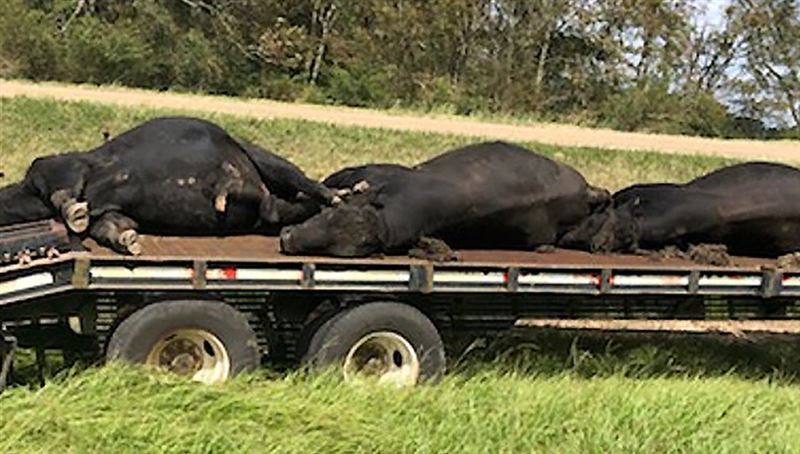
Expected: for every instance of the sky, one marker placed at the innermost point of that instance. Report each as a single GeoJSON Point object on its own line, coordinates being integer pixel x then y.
{"type": "Point", "coordinates": [715, 9]}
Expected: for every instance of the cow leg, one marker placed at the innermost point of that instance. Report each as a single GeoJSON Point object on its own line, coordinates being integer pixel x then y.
{"type": "Point", "coordinates": [311, 188]}
{"type": "Point", "coordinates": [279, 211]}
{"type": "Point", "coordinates": [231, 183]}
{"type": "Point", "coordinates": [113, 191]}
{"type": "Point", "coordinates": [61, 180]}
{"type": "Point", "coordinates": [74, 213]}
{"type": "Point", "coordinates": [340, 194]}
{"type": "Point", "coordinates": [283, 177]}
{"type": "Point", "coordinates": [118, 232]}
{"type": "Point", "coordinates": [271, 209]}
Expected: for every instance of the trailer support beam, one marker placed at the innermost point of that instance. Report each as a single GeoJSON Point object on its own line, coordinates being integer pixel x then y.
{"type": "Point", "coordinates": [8, 345]}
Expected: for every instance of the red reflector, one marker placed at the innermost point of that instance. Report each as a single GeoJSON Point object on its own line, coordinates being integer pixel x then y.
{"type": "Point", "coordinates": [229, 273]}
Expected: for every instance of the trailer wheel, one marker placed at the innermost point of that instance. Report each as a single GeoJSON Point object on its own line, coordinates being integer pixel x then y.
{"type": "Point", "coordinates": [389, 342]}
{"type": "Point", "coordinates": [207, 341]}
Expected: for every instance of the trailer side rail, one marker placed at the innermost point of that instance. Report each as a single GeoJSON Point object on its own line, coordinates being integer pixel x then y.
{"type": "Point", "coordinates": [81, 272]}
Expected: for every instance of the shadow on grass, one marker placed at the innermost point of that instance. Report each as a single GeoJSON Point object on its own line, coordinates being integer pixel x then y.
{"type": "Point", "coordinates": [550, 352]}
{"type": "Point", "coordinates": [636, 354]}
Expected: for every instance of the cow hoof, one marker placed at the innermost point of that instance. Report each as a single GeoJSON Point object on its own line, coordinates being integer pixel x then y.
{"type": "Point", "coordinates": [339, 195]}
{"type": "Point", "coordinates": [135, 249]}
{"type": "Point", "coordinates": [129, 240]}
{"type": "Point", "coordinates": [361, 186]}
{"type": "Point", "coordinates": [77, 216]}
{"type": "Point", "coordinates": [221, 203]}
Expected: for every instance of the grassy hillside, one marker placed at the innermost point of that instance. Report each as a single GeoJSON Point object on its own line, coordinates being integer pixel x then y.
{"type": "Point", "coordinates": [546, 393]}
{"type": "Point", "coordinates": [30, 128]}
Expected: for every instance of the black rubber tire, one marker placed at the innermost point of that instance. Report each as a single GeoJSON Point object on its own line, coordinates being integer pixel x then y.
{"type": "Point", "coordinates": [311, 328]}
{"type": "Point", "coordinates": [137, 335]}
{"type": "Point", "coordinates": [333, 340]}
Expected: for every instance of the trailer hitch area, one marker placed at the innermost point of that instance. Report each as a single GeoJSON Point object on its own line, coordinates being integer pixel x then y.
{"type": "Point", "coordinates": [22, 243]}
{"type": "Point", "coordinates": [8, 345]}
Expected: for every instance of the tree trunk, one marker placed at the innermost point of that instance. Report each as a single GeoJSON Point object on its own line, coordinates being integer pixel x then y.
{"type": "Point", "coordinates": [325, 20]}
{"type": "Point", "coordinates": [78, 8]}
{"type": "Point", "coordinates": [540, 67]}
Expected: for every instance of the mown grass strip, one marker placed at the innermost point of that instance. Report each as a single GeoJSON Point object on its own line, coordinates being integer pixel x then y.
{"type": "Point", "coordinates": [498, 127]}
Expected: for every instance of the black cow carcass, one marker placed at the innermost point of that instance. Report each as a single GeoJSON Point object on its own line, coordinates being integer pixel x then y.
{"type": "Point", "coordinates": [19, 205]}
{"type": "Point", "coordinates": [172, 175]}
{"type": "Point", "coordinates": [489, 195]}
{"type": "Point", "coordinates": [752, 208]}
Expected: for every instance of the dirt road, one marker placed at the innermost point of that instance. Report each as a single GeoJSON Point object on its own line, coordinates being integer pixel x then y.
{"type": "Point", "coordinates": [556, 134]}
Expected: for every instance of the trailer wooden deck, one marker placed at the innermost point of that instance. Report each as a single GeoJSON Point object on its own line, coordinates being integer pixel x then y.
{"type": "Point", "coordinates": [254, 263]}
{"type": "Point", "coordinates": [256, 248]}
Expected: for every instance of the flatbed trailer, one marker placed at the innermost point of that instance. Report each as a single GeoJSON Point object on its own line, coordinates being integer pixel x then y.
{"type": "Point", "coordinates": [212, 307]}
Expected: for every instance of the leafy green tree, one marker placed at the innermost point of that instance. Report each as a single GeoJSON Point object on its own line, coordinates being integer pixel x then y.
{"type": "Point", "coordinates": [630, 64]}
{"type": "Point", "coordinates": [769, 82]}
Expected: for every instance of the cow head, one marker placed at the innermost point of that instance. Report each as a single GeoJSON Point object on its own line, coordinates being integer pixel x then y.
{"type": "Point", "coordinates": [17, 205]}
{"type": "Point", "coordinates": [612, 229]}
{"type": "Point", "coordinates": [350, 229]}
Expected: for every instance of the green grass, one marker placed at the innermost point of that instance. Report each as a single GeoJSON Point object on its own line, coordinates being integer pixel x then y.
{"type": "Point", "coordinates": [31, 128]}
{"type": "Point", "coordinates": [550, 392]}
{"type": "Point", "coordinates": [544, 393]}
{"type": "Point", "coordinates": [122, 410]}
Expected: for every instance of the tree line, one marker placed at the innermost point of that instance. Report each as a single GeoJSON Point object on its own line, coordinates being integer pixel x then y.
{"type": "Point", "coordinates": [646, 65]}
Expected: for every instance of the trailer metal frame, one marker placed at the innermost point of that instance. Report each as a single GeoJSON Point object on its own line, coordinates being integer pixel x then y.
{"type": "Point", "coordinates": [75, 301]}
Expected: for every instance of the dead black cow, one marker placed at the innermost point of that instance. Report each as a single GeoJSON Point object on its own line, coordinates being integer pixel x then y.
{"type": "Point", "coordinates": [494, 195]}
{"type": "Point", "coordinates": [752, 208]}
{"type": "Point", "coordinates": [18, 205]}
{"type": "Point", "coordinates": [172, 175]}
